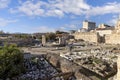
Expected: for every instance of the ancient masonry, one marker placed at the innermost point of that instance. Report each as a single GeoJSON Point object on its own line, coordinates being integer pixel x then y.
{"type": "Point", "coordinates": [118, 65]}
{"type": "Point", "coordinates": [43, 39]}
{"type": "Point", "coordinates": [87, 36]}
{"type": "Point", "coordinates": [113, 37]}
{"type": "Point", "coordinates": [62, 41]}
{"type": "Point", "coordinates": [78, 71]}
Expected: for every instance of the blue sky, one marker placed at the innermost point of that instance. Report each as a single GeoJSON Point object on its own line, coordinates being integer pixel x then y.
{"type": "Point", "coordinates": [29, 16]}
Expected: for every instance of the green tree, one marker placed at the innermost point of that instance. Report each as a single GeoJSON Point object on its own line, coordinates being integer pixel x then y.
{"type": "Point", "coordinates": [50, 36]}
{"type": "Point", "coordinates": [11, 61]}
{"type": "Point", "coordinates": [60, 32]}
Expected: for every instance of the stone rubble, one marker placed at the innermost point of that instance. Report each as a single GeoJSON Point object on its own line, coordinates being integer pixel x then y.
{"type": "Point", "coordinates": [39, 69]}
{"type": "Point", "coordinates": [98, 60]}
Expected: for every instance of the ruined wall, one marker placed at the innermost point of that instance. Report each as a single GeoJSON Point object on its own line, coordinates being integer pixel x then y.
{"type": "Point", "coordinates": [66, 66]}
{"type": "Point", "coordinates": [43, 39]}
{"type": "Point", "coordinates": [118, 66]}
{"type": "Point", "coordinates": [112, 38]}
{"type": "Point", "coordinates": [104, 32]}
{"type": "Point", "coordinates": [87, 36]}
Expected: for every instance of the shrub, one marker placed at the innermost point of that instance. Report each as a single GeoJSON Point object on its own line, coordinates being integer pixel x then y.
{"type": "Point", "coordinates": [11, 61]}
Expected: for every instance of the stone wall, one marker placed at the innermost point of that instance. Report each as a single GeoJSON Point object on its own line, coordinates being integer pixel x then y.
{"type": "Point", "coordinates": [104, 32]}
{"type": "Point", "coordinates": [118, 66]}
{"type": "Point", "coordinates": [87, 36]}
{"type": "Point", "coordinates": [78, 71]}
{"type": "Point", "coordinates": [112, 38]}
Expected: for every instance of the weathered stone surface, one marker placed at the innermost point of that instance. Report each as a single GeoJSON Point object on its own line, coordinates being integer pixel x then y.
{"type": "Point", "coordinates": [53, 59]}
{"type": "Point", "coordinates": [118, 66]}
{"type": "Point", "coordinates": [69, 66]}
{"type": "Point", "coordinates": [87, 36]}
{"type": "Point", "coordinates": [79, 76]}
{"type": "Point", "coordinates": [112, 39]}
{"type": "Point", "coordinates": [43, 39]}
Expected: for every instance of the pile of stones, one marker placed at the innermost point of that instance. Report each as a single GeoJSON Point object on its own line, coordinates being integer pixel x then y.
{"type": "Point", "coordinates": [39, 69]}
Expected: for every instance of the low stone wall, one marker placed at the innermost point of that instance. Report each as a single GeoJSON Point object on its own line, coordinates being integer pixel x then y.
{"type": "Point", "coordinates": [87, 36]}
{"type": "Point", "coordinates": [66, 66]}
{"type": "Point", "coordinates": [112, 39]}
{"type": "Point", "coordinates": [118, 65]}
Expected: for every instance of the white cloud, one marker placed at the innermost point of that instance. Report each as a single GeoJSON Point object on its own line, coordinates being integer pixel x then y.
{"type": "Point", "coordinates": [31, 9]}
{"type": "Point", "coordinates": [75, 6]}
{"type": "Point", "coordinates": [56, 12]}
{"type": "Point", "coordinates": [59, 8]}
{"type": "Point", "coordinates": [113, 21]}
{"type": "Point", "coordinates": [5, 22]}
{"type": "Point", "coordinates": [4, 3]}
{"type": "Point", "coordinates": [51, 8]}
{"type": "Point", "coordinates": [73, 26]}
{"type": "Point", "coordinates": [105, 9]}
{"type": "Point", "coordinates": [43, 29]}
{"type": "Point", "coordinates": [67, 27]}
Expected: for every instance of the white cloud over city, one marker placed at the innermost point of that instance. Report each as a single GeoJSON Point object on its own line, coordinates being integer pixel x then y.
{"type": "Point", "coordinates": [61, 7]}
{"type": "Point", "coordinates": [105, 9]}
{"type": "Point", "coordinates": [52, 7]}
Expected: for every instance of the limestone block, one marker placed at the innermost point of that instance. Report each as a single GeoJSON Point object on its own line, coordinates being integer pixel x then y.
{"type": "Point", "coordinates": [118, 67]}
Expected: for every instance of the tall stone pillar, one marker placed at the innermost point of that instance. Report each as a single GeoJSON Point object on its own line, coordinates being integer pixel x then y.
{"type": "Point", "coordinates": [62, 41]}
{"type": "Point", "coordinates": [118, 68]}
{"type": "Point", "coordinates": [43, 40]}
